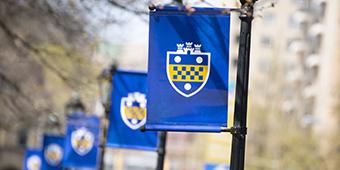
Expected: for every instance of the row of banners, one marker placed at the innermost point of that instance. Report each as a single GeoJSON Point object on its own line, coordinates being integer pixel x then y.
{"type": "Point", "coordinates": [186, 89]}
{"type": "Point", "coordinates": [77, 149]}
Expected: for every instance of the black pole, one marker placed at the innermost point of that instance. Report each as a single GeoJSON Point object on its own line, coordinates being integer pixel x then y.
{"type": "Point", "coordinates": [240, 116]}
{"type": "Point", "coordinates": [161, 150]}
{"type": "Point", "coordinates": [107, 107]}
{"type": "Point", "coordinates": [180, 2]}
{"type": "Point", "coordinates": [105, 126]}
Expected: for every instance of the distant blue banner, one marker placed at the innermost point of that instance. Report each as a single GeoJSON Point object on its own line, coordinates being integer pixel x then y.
{"type": "Point", "coordinates": [82, 141]}
{"type": "Point", "coordinates": [128, 113]}
{"type": "Point", "coordinates": [188, 70]}
{"type": "Point", "coordinates": [32, 160]}
{"type": "Point", "coordinates": [211, 166]}
{"type": "Point", "coordinates": [53, 151]}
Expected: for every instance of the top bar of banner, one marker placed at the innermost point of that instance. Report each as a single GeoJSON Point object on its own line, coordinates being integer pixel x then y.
{"type": "Point", "coordinates": [193, 10]}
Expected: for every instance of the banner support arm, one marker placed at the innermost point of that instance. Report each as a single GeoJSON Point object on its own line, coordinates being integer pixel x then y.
{"type": "Point", "coordinates": [235, 130]}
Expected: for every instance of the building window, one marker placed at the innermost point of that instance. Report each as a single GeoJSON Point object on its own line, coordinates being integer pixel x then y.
{"type": "Point", "coordinates": [266, 41]}
{"type": "Point", "coordinates": [269, 17]}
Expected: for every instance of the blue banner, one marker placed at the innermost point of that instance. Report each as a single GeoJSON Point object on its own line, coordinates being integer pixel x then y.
{"type": "Point", "coordinates": [128, 113]}
{"type": "Point", "coordinates": [53, 151]}
{"type": "Point", "coordinates": [32, 160]}
{"type": "Point", "coordinates": [188, 69]}
{"type": "Point", "coordinates": [82, 141]}
{"type": "Point", "coordinates": [211, 166]}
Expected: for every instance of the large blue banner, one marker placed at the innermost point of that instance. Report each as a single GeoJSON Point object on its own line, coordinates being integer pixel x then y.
{"type": "Point", "coordinates": [53, 151]}
{"type": "Point", "coordinates": [32, 160]}
{"type": "Point", "coordinates": [128, 113]}
{"type": "Point", "coordinates": [188, 69]}
{"type": "Point", "coordinates": [82, 141]}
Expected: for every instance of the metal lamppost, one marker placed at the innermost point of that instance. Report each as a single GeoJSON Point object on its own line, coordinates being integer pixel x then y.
{"type": "Point", "coordinates": [74, 105]}
{"type": "Point", "coordinates": [105, 88]}
{"type": "Point", "coordinates": [161, 150]}
{"type": "Point", "coordinates": [53, 124]}
{"type": "Point", "coordinates": [239, 131]}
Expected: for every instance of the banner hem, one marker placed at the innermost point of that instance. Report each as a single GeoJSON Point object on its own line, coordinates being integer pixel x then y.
{"type": "Point", "coordinates": [131, 147]}
{"type": "Point", "coordinates": [184, 128]}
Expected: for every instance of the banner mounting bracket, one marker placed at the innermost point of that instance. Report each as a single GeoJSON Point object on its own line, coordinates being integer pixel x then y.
{"type": "Point", "coordinates": [235, 130]}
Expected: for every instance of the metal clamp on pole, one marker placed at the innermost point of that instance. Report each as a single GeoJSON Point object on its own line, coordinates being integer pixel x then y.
{"type": "Point", "coordinates": [236, 130]}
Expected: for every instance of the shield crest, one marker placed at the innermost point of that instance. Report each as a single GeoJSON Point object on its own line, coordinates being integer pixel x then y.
{"type": "Point", "coordinates": [34, 163]}
{"type": "Point", "coordinates": [53, 154]}
{"type": "Point", "coordinates": [133, 110]}
{"type": "Point", "coordinates": [188, 68]}
{"type": "Point", "coordinates": [82, 141]}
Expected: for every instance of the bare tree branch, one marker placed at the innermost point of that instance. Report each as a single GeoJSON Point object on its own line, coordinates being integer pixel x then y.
{"type": "Point", "coordinates": [38, 52]}
{"type": "Point", "coordinates": [126, 8]}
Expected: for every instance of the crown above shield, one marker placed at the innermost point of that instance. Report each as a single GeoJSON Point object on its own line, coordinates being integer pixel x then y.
{"type": "Point", "coordinates": [197, 47]}
{"type": "Point", "coordinates": [188, 47]}
{"type": "Point", "coordinates": [180, 47]}
{"type": "Point", "coordinates": [188, 44]}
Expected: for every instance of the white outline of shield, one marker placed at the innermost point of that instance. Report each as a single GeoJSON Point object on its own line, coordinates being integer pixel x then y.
{"type": "Point", "coordinates": [168, 74]}
{"type": "Point", "coordinates": [125, 120]}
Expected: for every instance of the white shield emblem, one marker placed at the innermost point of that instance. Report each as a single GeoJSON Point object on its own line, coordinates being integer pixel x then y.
{"type": "Point", "coordinates": [188, 69]}
{"type": "Point", "coordinates": [82, 141]}
{"type": "Point", "coordinates": [53, 154]}
{"type": "Point", "coordinates": [33, 162]}
{"type": "Point", "coordinates": [133, 110]}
